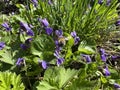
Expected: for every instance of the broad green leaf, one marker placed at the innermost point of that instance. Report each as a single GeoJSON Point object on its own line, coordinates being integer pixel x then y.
{"type": "Point", "coordinates": [81, 84]}
{"type": "Point", "coordinates": [84, 48]}
{"type": "Point", "coordinates": [56, 78]}
{"type": "Point", "coordinates": [43, 46]}
{"type": "Point", "coordinates": [10, 81]}
{"type": "Point", "coordinates": [44, 85]}
{"type": "Point", "coordinates": [6, 57]}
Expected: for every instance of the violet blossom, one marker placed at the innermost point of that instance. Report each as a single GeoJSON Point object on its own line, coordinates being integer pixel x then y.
{"type": "Point", "coordinates": [2, 45]}
{"type": "Point", "coordinates": [20, 61]}
{"type": "Point", "coordinates": [44, 64]}
{"type": "Point", "coordinates": [76, 38]}
{"type": "Point", "coordinates": [6, 26]}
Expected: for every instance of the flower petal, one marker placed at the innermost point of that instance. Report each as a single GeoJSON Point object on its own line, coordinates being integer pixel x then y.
{"type": "Point", "coordinates": [6, 26]}
{"type": "Point", "coordinates": [2, 45]}
{"type": "Point", "coordinates": [44, 22]}
{"type": "Point", "coordinates": [35, 2]}
{"type": "Point", "coordinates": [48, 30]}
{"type": "Point", "coordinates": [73, 34]}
{"type": "Point", "coordinates": [106, 71]}
{"type": "Point", "coordinates": [19, 61]}
{"type": "Point", "coordinates": [60, 61]}
{"type": "Point", "coordinates": [59, 33]}
{"type": "Point", "coordinates": [116, 85]}
{"type": "Point", "coordinates": [44, 64]}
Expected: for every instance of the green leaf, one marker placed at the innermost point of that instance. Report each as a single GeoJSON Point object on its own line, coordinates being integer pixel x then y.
{"type": "Point", "coordinates": [103, 79]}
{"type": "Point", "coordinates": [44, 85]}
{"type": "Point", "coordinates": [83, 84]}
{"type": "Point", "coordinates": [6, 57]}
{"type": "Point", "coordinates": [70, 41]}
{"type": "Point", "coordinates": [56, 78]}
{"type": "Point", "coordinates": [16, 17]}
{"type": "Point", "coordinates": [43, 46]}
{"type": "Point", "coordinates": [10, 81]}
{"type": "Point", "coordinates": [84, 48]}
{"type": "Point", "coordinates": [118, 47]}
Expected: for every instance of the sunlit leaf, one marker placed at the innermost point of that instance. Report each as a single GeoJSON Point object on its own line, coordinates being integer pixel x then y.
{"type": "Point", "coordinates": [10, 81]}
{"type": "Point", "coordinates": [56, 78]}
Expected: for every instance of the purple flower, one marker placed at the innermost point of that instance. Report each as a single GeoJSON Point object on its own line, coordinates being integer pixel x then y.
{"type": "Point", "coordinates": [44, 22]}
{"type": "Point", "coordinates": [44, 64]}
{"type": "Point", "coordinates": [35, 2]}
{"type": "Point", "coordinates": [106, 71]}
{"type": "Point", "coordinates": [28, 41]}
{"type": "Point", "coordinates": [87, 57]}
{"type": "Point", "coordinates": [116, 85]}
{"type": "Point", "coordinates": [2, 45]}
{"type": "Point", "coordinates": [100, 2]}
{"type": "Point", "coordinates": [28, 29]}
{"type": "Point", "coordinates": [73, 34]}
{"type": "Point", "coordinates": [59, 33]}
{"type": "Point", "coordinates": [115, 57]}
{"type": "Point", "coordinates": [60, 61]}
{"type": "Point", "coordinates": [30, 33]}
{"type": "Point", "coordinates": [102, 51]}
{"type": "Point", "coordinates": [24, 46]}
{"type": "Point", "coordinates": [50, 2]}
{"type": "Point", "coordinates": [48, 30]}
{"type": "Point", "coordinates": [108, 2]}
{"type": "Point", "coordinates": [19, 61]}
{"type": "Point", "coordinates": [103, 57]}
{"type": "Point", "coordinates": [6, 26]}
{"type": "Point", "coordinates": [56, 54]}
{"type": "Point", "coordinates": [76, 38]}
{"type": "Point", "coordinates": [117, 23]}
{"type": "Point", "coordinates": [25, 25]}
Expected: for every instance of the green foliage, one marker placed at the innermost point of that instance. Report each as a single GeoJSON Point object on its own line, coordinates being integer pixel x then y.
{"type": "Point", "coordinates": [56, 78]}
{"type": "Point", "coordinates": [86, 48]}
{"type": "Point", "coordinates": [10, 81]}
{"type": "Point", "coordinates": [91, 21]}
{"type": "Point", "coordinates": [79, 84]}
{"type": "Point", "coordinates": [43, 46]}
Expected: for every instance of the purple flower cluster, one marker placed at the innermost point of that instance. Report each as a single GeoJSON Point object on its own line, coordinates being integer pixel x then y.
{"type": "Point", "coordinates": [45, 24]}
{"type": "Point", "coordinates": [104, 58]}
{"type": "Point", "coordinates": [103, 55]}
{"type": "Point", "coordinates": [27, 28]}
{"type": "Point", "coordinates": [59, 59]}
{"type": "Point", "coordinates": [76, 38]}
{"type": "Point", "coordinates": [59, 44]}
